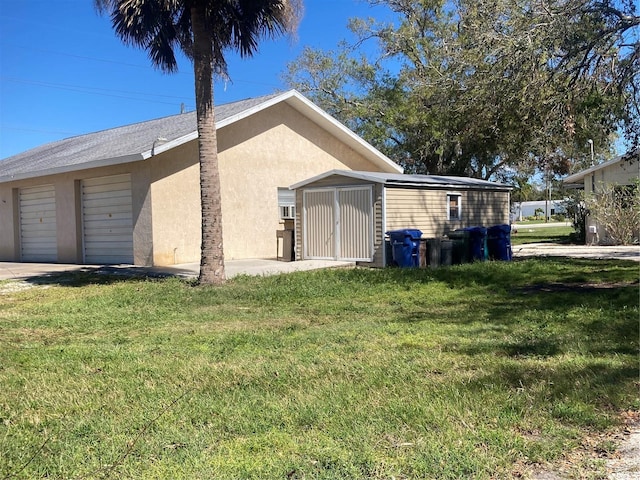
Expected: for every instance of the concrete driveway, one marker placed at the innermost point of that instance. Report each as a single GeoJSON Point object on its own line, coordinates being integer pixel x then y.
{"type": "Point", "coordinates": [22, 271]}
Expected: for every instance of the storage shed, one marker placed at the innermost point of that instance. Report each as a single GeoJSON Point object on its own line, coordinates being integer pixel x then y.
{"type": "Point", "coordinates": [343, 215]}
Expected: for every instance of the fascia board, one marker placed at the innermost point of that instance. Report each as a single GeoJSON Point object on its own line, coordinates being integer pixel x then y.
{"type": "Point", "coordinates": [340, 173]}
{"type": "Point", "coordinates": [169, 145]}
{"type": "Point", "coordinates": [452, 186]}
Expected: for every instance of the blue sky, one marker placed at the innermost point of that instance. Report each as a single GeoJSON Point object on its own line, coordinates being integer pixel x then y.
{"type": "Point", "coordinates": [63, 72]}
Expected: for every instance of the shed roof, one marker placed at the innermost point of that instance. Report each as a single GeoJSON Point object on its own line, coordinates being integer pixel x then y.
{"type": "Point", "coordinates": [402, 180]}
{"type": "Point", "coordinates": [140, 141]}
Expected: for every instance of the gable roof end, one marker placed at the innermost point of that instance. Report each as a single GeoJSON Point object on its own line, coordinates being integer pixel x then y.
{"type": "Point", "coordinates": [579, 176]}
{"type": "Point", "coordinates": [140, 141]}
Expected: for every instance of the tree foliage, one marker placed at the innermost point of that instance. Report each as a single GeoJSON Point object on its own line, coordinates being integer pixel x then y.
{"type": "Point", "coordinates": [205, 31]}
{"type": "Point", "coordinates": [484, 88]}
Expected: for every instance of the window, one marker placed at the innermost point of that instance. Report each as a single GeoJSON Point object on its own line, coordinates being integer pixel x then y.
{"type": "Point", "coordinates": [287, 203]}
{"type": "Point", "coordinates": [454, 206]}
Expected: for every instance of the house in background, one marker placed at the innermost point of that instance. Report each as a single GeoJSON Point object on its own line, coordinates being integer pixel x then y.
{"type": "Point", "coordinates": [132, 194]}
{"type": "Point", "coordinates": [541, 208]}
{"type": "Point", "coordinates": [344, 215]}
{"type": "Point", "coordinates": [620, 171]}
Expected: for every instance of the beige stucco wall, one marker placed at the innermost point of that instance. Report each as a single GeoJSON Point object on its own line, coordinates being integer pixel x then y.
{"type": "Point", "coordinates": [274, 148]}
{"type": "Point", "coordinates": [620, 173]}
{"type": "Point", "coordinates": [175, 190]}
{"type": "Point", "coordinates": [68, 212]}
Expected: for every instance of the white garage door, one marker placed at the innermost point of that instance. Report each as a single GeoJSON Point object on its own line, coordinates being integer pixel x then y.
{"type": "Point", "coordinates": [107, 220]}
{"type": "Point", "coordinates": [38, 242]}
{"type": "Point", "coordinates": [338, 223]}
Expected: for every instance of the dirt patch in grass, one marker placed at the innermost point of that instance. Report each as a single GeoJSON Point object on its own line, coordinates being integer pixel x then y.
{"type": "Point", "coordinates": [575, 287]}
{"type": "Point", "coordinates": [613, 455]}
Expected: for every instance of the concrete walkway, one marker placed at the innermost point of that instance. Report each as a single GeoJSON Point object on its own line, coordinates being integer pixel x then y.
{"type": "Point", "coordinates": [620, 252]}
{"type": "Point", "coordinates": [22, 271]}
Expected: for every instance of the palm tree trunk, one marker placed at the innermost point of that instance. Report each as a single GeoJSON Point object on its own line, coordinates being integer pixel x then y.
{"type": "Point", "coordinates": [212, 255]}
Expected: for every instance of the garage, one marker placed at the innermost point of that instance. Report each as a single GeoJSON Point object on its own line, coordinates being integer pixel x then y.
{"type": "Point", "coordinates": [338, 223]}
{"type": "Point", "coordinates": [107, 220]}
{"type": "Point", "coordinates": [38, 234]}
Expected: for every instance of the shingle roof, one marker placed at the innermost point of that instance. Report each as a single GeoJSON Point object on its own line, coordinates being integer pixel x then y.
{"type": "Point", "coordinates": [115, 145]}
{"type": "Point", "coordinates": [399, 179]}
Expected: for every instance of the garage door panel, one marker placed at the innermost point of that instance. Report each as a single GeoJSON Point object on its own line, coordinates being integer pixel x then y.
{"type": "Point", "coordinates": [36, 214]}
{"type": "Point", "coordinates": [107, 220]}
{"type": "Point", "coordinates": [43, 230]}
{"type": "Point", "coordinates": [114, 198]}
{"type": "Point", "coordinates": [36, 205]}
{"type": "Point", "coordinates": [124, 223]}
{"type": "Point", "coordinates": [38, 230]}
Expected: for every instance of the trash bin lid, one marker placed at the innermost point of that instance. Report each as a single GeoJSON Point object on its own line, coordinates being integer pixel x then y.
{"type": "Point", "coordinates": [405, 232]}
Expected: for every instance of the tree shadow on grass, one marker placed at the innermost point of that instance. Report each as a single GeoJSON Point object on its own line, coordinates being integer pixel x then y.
{"type": "Point", "coordinates": [103, 275]}
{"type": "Point", "coordinates": [571, 392]}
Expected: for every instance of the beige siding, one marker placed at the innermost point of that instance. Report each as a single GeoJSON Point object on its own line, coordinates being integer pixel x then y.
{"type": "Point", "coordinates": [423, 209]}
{"type": "Point", "coordinates": [426, 210]}
{"type": "Point", "coordinates": [620, 173]}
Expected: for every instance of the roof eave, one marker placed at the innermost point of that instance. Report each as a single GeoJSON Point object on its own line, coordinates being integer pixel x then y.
{"type": "Point", "coordinates": [104, 162]}
{"type": "Point", "coordinates": [451, 186]}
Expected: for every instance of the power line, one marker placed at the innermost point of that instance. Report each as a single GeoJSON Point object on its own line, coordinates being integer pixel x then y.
{"type": "Point", "coordinates": [103, 92]}
{"type": "Point", "coordinates": [124, 64]}
{"type": "Point", "coordinates": [36, 130]}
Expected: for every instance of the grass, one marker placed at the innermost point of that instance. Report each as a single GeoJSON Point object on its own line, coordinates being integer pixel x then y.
{"type": "Point", "coordinates": [524, 235]}
{"type": "Point", "coordinates": [474, 371]}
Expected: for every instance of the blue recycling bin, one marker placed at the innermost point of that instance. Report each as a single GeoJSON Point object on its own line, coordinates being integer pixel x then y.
{"type": "Point", "coordinates": [499, 242]}
{"type": "Point", "coordinates": [478, 243]}
{"type": "Point", "coordinates": [405, 247]}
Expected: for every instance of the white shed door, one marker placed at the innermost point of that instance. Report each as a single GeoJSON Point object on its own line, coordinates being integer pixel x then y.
{"type": "Point", "coordinates": [338, 224]}
{"type": "Point", "coordinates": [319, 224]}
{"type": "Point", "coordinates": [355, 239]}
{"type": "Point", "coordinates": [38, 234]}
{"type": "Point", "coordinates": [107, 219]}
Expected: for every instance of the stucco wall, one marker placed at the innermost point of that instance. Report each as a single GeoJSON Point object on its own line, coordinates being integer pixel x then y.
{"type": "Point", "coordinates": [620, 173]}
{"type": "Point", "coordinates": [274, 148]}
{"type": "Point", "coordinates": [175, 190]}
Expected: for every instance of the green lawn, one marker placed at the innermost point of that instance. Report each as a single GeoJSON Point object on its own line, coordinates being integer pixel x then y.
{"type": "Point", "coordinates": [473, 371]}
{"type": "Point", "coordinates": [528, 234]}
